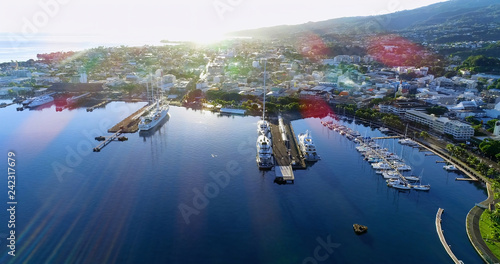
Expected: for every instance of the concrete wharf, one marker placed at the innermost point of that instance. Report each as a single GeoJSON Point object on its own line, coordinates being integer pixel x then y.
{"type": "Point", "coordinates": [130, 124]}
{"type": "Point", "coordinates": [286, 152]}
{"type": "Point", "coordinates": [443, 240]}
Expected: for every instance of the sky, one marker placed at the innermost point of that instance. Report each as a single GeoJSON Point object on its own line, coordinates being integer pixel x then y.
{"type": "Point", "coordinates": [198, 20]}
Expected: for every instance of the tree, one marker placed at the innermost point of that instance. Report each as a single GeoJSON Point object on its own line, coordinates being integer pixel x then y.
{"type": "Point", "coordinates": [424, 134]}
{"type": "Point", "coordinates": [490, 147]}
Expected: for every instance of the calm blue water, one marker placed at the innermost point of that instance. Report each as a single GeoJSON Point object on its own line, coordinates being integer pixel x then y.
{"type": "Point", "coordinates": [125, 204]}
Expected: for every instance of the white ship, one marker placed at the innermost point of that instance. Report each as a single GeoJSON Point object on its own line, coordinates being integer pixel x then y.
{"type": "Point", "coordinates": [307, 147]}
{"type": "Point", "coordinates": [158, 112]}
{"type": "Point", "coordinates": [263, 127]}
{"type": "Point", "coordinates": [41, 100]}
{"type": "Point", "coordinates": [75, 99]}
{"type": "Point", "coordinates": [264, 153]}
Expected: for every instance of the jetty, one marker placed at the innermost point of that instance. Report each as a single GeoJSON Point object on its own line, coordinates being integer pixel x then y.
{"type": "Point", "coordinates": [443, 240]}
{"type": "Point", "coordinates": [130, 124]}
{"type": "Point", "coordinates": [388, 137]}
{"type": "Point", "coordinates": [108, 140]}
{"type": "Point", "coordinates": [103, 103]}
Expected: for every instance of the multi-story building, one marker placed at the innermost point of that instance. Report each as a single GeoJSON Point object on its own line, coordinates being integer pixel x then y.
{"type": "Point", "coordinates": [458, 130]}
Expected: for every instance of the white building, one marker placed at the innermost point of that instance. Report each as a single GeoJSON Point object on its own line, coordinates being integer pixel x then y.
{"type": "Point", "coordinates": [460, 131]}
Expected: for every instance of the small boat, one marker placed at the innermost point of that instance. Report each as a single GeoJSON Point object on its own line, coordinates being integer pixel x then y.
{"type": "Point", "coordinates": [450, 167]}
{"type": "Point", "coordinates": [100, 138]}
{"type": "Point", "coordinates": [122, 138]}
{"type": "Point", "coordinates": [412, 178]}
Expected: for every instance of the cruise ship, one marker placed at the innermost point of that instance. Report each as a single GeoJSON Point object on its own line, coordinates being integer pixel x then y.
{"type": "Point", "coordinates": [41, 100]}
{"type": "Point", "coordinates": [307, 147]}
{"type": "Point", "coordinates": [264, 152]}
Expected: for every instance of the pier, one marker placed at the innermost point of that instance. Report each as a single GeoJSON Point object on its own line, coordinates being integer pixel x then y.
{"type": "Point", "coordinates": [90, 109]}
{"type": "Point", "coordinates": [286, 152]}
{"type": "Point", "coordinates": [441, 237]}
{"type": "Point", "coordinates": [108, 140]}
{"type": "Point", "coordinates": [388, 137]}
{"type": "Point", "coordinates": [130, 124]}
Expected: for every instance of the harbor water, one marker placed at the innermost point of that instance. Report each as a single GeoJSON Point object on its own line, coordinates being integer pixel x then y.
{"type": "Point", "coordinates": [191, 192]}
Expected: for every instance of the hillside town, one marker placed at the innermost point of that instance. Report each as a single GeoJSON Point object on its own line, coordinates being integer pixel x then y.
{"type": "Point", "coordinates": [299, 70]}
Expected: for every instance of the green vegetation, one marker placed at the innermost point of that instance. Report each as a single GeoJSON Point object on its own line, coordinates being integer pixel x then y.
{"type": "Point", "coordinates": [489, 224]}
{"type": "Point", "coordinates": [491, 148]}
{"type": "Point", "coordinates": [473, 162]}
{"type": "Point", "coordinates": [495, 85]}
{"type": "Point", "coordinates": [437, 110]}
{"type": "Point", "coordinates": [481, 63]}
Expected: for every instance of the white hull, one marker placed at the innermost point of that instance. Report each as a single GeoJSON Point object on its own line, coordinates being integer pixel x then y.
{"type": "Point", "coordinates": [154, 119]}
{"type": "Point", "coordinates": [307, 147]}
{"type": "Point", "coordinates": [41, 101]}
{"type": "Point", "coordinates": [264, 158]}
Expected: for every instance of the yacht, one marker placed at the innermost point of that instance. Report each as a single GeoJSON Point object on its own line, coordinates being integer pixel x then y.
{"type": "Point", "coordinates": [381, 166]}
{"type": "Point", "coordinates": [307, 147]}
{"type": "Point", "coordinates": [421, 187]}
{"type": "Point", "coordinates": [41, 100]}
{"type": "Point", "coordinates": [399, 184]}
{"type": "Point", "coordinates": [264, 152]}
{"type": "Point", "coordinates": [450, 167]}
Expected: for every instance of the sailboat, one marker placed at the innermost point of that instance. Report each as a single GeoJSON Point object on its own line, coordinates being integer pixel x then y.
{"type": "Point", "coordinates": [420, 186]}
{"type": "Point", "coordinates": [157, 113]}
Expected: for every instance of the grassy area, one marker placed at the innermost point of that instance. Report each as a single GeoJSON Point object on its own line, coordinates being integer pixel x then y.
{"type": "Point", "coordinates": [487, 225]}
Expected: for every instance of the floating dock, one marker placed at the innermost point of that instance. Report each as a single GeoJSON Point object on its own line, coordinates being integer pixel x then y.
{"type": "Point", "coordinates": [130, 124]}
{"type": "Point", "coordinates": [441, 237]}
{"type": "Point", "coordinates": [108, 140]}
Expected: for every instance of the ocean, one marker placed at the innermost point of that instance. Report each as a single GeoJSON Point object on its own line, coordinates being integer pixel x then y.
{"type": "Point", "coordinates": [191, 192]}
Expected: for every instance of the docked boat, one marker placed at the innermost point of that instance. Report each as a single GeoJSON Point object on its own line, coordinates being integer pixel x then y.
{"type": "Point", "coordinates": [27, 101]}
{"type": "Point", "coordinates": [399, 184]}
{"type": "Point", "coordinates": [158, 113]}
{"type": "Point", "coordinates": [41, 100]}
{"type": "Point", "coordinates": [263, 127]}
{"type": "Point", "coordinates": [383, 129]}
{"type": "Point", "coordinates": [264, 152]}
{"type": "Point", "coordinates": [450, 167]}
{"type": "Point", "coordinates": [307, 147]}
{"type": "Point", "coordinates": [75, 99]}
{"type": "Point", "coordinates": [421, 187]}
{"type": "Point", "coordinates": [381, 166]}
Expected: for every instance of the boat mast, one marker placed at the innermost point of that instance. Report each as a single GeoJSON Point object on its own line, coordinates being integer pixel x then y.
{"type": "Point", "coordinates": [264, 106]}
